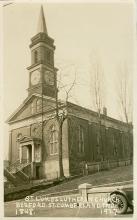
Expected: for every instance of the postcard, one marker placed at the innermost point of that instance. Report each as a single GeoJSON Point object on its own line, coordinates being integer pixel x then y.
{"type": "Point", "coordinates": [68, 128]}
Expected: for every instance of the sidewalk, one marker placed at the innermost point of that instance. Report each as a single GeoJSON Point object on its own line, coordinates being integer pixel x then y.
{"type": "Point", "coordinates": [98, 188]}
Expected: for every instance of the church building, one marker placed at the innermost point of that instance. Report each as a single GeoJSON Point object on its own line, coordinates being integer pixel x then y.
{"type": "Point", "coordinates": [33, 135]}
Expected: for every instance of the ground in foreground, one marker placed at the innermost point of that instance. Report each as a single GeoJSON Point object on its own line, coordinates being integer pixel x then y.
{"type": "Point", "coordinates": [50, 208]}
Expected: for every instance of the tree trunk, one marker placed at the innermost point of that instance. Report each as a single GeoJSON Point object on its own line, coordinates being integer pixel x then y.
{"type": "Point", "coordinates": [101, 157]}
{"type": "Point", "coordinates": [130, 145]}
{"type": "Point", "coordinates": [61, 171]}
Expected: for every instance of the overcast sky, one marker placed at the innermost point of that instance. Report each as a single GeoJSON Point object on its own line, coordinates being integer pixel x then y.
{"type": "Point", "coordinates": [81, 32]}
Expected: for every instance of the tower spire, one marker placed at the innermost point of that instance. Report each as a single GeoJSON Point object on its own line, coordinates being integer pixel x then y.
{"type": "Point", "coordinates": [41, 22]}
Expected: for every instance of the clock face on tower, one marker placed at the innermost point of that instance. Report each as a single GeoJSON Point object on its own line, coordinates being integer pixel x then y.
{"type": "Point", "coordinates": [49, 77]}
{"type": "Point", "coordinates": [35, 77]}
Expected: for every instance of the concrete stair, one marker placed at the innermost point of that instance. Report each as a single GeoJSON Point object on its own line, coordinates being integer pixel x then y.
{"type": "Point", "coordinates": [11, 177]}
{"type": "Point", "coordinates": [16, 175]}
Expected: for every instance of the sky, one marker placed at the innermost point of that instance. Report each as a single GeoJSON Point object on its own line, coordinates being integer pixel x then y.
{"type": "Point", "coordinates": [83, 33]}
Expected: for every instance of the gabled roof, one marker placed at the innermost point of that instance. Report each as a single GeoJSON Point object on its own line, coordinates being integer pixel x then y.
{"type": "Point", "coordinates": [28, 99]}
{"type": "Point", "coordinates": [91, 112]}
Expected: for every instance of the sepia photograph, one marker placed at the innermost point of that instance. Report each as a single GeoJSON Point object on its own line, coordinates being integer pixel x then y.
{"type": "Point", "coordinates": [68, 73]}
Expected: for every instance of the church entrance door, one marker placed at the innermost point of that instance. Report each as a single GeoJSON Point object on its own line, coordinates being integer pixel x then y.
{"type": "Point", "coordinates": [37, 172]}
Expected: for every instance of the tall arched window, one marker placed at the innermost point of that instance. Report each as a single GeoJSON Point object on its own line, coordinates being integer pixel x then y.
{"type": "Point", "coordinates": [53, 149]}
{"type": "Point", "coordinates": [44, 56]}
{"type": "Point", "coordinates": [114, 145]}
{"type": "Point", "coordinates": [35, 56]}
{"type": "Point", "coordinates": [81, 140]}
{"type": "Point", "coordinates": [48, 57]}
{"type": "Point", "coordinates": [98, 144]}
{"type": "Point", "coordinates": [35, 131]}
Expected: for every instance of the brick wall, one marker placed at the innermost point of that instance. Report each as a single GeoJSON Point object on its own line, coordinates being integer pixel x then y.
{"type": "Point", "coordinates": [76, 157]}
{"type": "Point", "coordinates": [101, 143]}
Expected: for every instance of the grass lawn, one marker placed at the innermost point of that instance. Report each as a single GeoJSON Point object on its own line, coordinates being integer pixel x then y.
{"type": "Point", "coordinates": [118, 174]}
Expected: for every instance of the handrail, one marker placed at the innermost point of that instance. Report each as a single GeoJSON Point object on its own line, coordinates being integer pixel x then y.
{"type": "Point", "coordinates": [17, 161]}
{"type": "Point", "coordinates": [16, 166]}
{"type": "Point", "coordinates": [23, 166]}
{"type": "Point", "coordinates": [14, 162]}
{"type": "Point", "coordinates": [13, 165]}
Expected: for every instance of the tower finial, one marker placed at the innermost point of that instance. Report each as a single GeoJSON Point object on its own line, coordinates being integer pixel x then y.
{"type": "Point", "coordinates": [41, 23]}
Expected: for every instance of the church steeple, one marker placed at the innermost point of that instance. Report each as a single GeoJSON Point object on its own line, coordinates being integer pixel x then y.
{"type": "Point", "coordinates": [42, 28]}
{"type": "Point", "coordinates": [42, 73]}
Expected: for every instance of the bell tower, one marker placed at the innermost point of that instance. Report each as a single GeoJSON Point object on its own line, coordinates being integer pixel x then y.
{"type": "Point", "coordinates": [42, 73]}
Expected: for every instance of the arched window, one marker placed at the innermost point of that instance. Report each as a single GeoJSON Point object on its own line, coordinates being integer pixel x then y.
{"type": "Point", "coordinates": [32, 108]}
{"type": "Point", "coordinates": [126, 142]}
{"type": "Point", "coordinates": [39, 105]}
{"type": "Point", "coordinates": [48, 57]}
{"type": "Point", "coordinates": [81, 140]}
{"type": "Point", "coordinates": [35, 131]}
{"type": "Point", "coordinates": [35, 56]}
{"type": "Point", "coordinates": [53, 140]}
{"type": "Point", "coordinates": [44, 56]}
{"type": "Point", "coordinates": [114, 145]}
{"type": "Point", "coordinates": [98, 143]}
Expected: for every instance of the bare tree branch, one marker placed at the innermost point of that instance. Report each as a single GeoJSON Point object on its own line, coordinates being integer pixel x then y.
{"type": "Point", "coordinates": [71, 87]}
{"type": "Point", "coordinates": [98, 95]}
{"type": "Point", "coordinates": [97, 85]}
{"type": "Point", "coordinates": [125, 92]}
